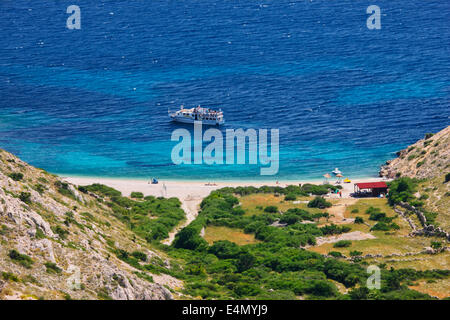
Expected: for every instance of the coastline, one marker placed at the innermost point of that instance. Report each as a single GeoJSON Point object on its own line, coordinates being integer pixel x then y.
{"type": "Point", "coordinates": [191, 189]}
{"type": "Point", "coordinates": [191, 193]}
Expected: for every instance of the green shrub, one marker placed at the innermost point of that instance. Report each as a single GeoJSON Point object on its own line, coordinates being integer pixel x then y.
{"type": "Point", "coordinates": [16, 176]}
{"type": "Point", "coordinates": [355, 253]}
{"type": "Point", "coordinates": [61, 232]}
{"type": "Point", "coordinates": [52, 268]}
{"type": "Point", "coordinates": [101, 189]}
{"type": "Point", "coordinates": [383, 226]}
{"type": "Point", "coordinates": [4, 230]}
{"type": "Point", "coordinates": [39, 188]}
{"type": "Point", "coordinates": [25, 197]}
{"type": "Point", "coordinates": [63, 188]}
{"type": "Point", "coordinates": [21, 259]}
{"type": "Point", "coordinates": [290, 197]}
{"type": "Point", "coordinates": [430, 216]}
{"type": "Point", "coordinates": [377, 215]}
{"type": "Point", "coordinates": [225, 249]}
{"type": "Point", "coordinates": [144, 276]}
{"type": "Point", "coordinates": [238, 211]}
{"type": "Point", "coordinates": [335, 254]}
{"type": "Point", "coordinates": [436, 245]}
{"type": "Point", "coordinates": [137, 195]}
{"type": "Point", "coordinates": [355, 210]}
{"type": "Point", "coordinates": [151, 219]}
{"type": "Point", "coordinates": [318, 190]}
{"type": "Point", "coordinates": [359, 220]}
{"type": "Point", "coordinates": [334, 229]}
{"type": "Point", "coordinates": [39, 233]}
{"type": "Point", "coordinates": [66, 296]}
{"type": "Point", "coordinates": [447, 177]}
{"type": "Point", "coordinates": [416, 203]}
{"type": "Point", "coordinates": [271, 209]}
{"type": "Point", "coordinates": [188, 238]}
{"type": "Point", "coordinates": [103, 294]}
{"type": "Point", "coordinates": [245, 261]}
{"type": "Point", "coordinates": [319, 202]}
{"type": "Point", "coordinates": [402, 189]}
{"type": "Point", "coordinates": [139, 255]}
{"type": "Point", "coordinates": [424, 197]}
{"type": "Point", "coordinates": [342, 244]}
{"type": "Point", "coordinates": [10, 276]}
{"type": "Point", "coordinates": [428, 135]}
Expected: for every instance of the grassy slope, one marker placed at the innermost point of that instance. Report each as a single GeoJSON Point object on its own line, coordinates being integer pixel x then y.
{"type": "Point", "coordinates": [438, 200]}
{"type": "Point", "coordinates": [216, 233]}
{"type": "Point", "coordinates": [253, 203]}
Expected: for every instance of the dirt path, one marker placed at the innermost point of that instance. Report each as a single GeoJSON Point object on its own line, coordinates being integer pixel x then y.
{"type": "Point", "coordinates": [190, 206]}
{"type": "Point", "coordinates": [355, 235]}
{"type": "Point", "coordinates": [337, 211]}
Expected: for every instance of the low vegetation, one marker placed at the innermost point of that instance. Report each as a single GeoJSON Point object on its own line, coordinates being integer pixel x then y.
{"type": "Point", "coordinates": [21, 259]}
{"type": "Point", "coordinates": [275, 267]}
{"type": "Point", "coordinates": [319, 202]}
{"type": "Point", "coordinates": [16, 176]}
{"type": "Point", "coordinates": [151, 218]}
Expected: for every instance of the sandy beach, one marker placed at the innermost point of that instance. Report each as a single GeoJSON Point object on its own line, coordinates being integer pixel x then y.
{"type": "Point", "coordinates": [196, 189]}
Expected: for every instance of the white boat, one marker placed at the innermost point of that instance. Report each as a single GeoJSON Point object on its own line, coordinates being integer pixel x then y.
{"type": "Point", "coordinates": [336, 171]}
{"type": "Point", "coordinates": [205, 115]}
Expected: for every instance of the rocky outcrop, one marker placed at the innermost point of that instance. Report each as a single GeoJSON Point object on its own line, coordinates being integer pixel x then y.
{"type": "Point", "coordinates": [432, 231]}
{"type": "Point", "coordinates": [428, 230]}
{"type": "Point", "coordinates": [67, 240]}
{"type": "Point", "coordinates": [426, 250]}
{"type": "Point", "coordinates": [427, 158]}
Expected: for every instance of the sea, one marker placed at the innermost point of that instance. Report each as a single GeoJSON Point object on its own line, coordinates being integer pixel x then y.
{"type": "Point", "coordinates": [93, 101]}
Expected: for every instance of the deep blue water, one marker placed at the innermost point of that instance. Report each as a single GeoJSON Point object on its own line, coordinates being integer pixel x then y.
{"type": "Point", "coordinates": [94, 101]}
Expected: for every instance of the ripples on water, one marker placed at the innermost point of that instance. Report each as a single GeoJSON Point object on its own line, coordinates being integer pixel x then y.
{"type": "Point", "coordinates": [94, 101]}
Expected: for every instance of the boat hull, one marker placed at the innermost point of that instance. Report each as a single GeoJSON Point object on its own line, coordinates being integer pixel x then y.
{"type": "Point", "coordinates": [204, 122]}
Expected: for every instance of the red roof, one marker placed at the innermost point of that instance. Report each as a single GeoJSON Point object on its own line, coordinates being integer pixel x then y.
{"type": "Point", "coordinates": [372, 185]}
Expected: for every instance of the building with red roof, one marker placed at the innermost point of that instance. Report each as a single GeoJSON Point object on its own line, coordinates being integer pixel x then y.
{"type": "Point", "coordinates": [371, 188]}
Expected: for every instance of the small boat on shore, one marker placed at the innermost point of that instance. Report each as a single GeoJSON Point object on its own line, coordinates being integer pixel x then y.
{"type": "Point", "coordinates": [205, 115]}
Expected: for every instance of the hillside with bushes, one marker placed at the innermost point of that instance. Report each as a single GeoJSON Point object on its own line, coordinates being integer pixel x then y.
{"type": "Point", "coordinates": [60, 242]}
{"type": "Point", "coordinates": [423, 170]}
{"type": "Point", "coordinates": [285, 259]}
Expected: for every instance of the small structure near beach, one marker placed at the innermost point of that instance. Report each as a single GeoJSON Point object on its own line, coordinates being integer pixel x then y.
{"type": "Point", "coordinates": [370, 189]}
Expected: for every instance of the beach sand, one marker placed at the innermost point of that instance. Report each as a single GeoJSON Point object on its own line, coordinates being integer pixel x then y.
{"type": "Point", "coordinates": [195, 189]}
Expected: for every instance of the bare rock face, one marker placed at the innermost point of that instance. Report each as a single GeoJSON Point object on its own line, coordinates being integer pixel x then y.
{"type": "Point", "coordinates": [67, 240]}
{"type": "Point", "coordinates": [16, 212]}
{"type": "Point", "coordinates": [136, 291]}
{"type": "Point", "coordinates": [427, 158]}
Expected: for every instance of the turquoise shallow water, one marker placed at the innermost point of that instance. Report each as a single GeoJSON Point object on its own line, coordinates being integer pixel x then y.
{"type": "Point", "coordinates": [94, 102]}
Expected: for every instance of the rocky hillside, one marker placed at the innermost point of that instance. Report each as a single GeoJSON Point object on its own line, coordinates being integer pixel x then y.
{"type": "Point", "coordinates": [427, 158]}
{"type": "Point", "coordinates": [59, 243]}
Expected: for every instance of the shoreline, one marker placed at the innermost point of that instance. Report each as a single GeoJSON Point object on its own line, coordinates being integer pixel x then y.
{"type": "Point", "coordinates": [194, 189]}
{"type": "Point", "coordinates": [214, 180]}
